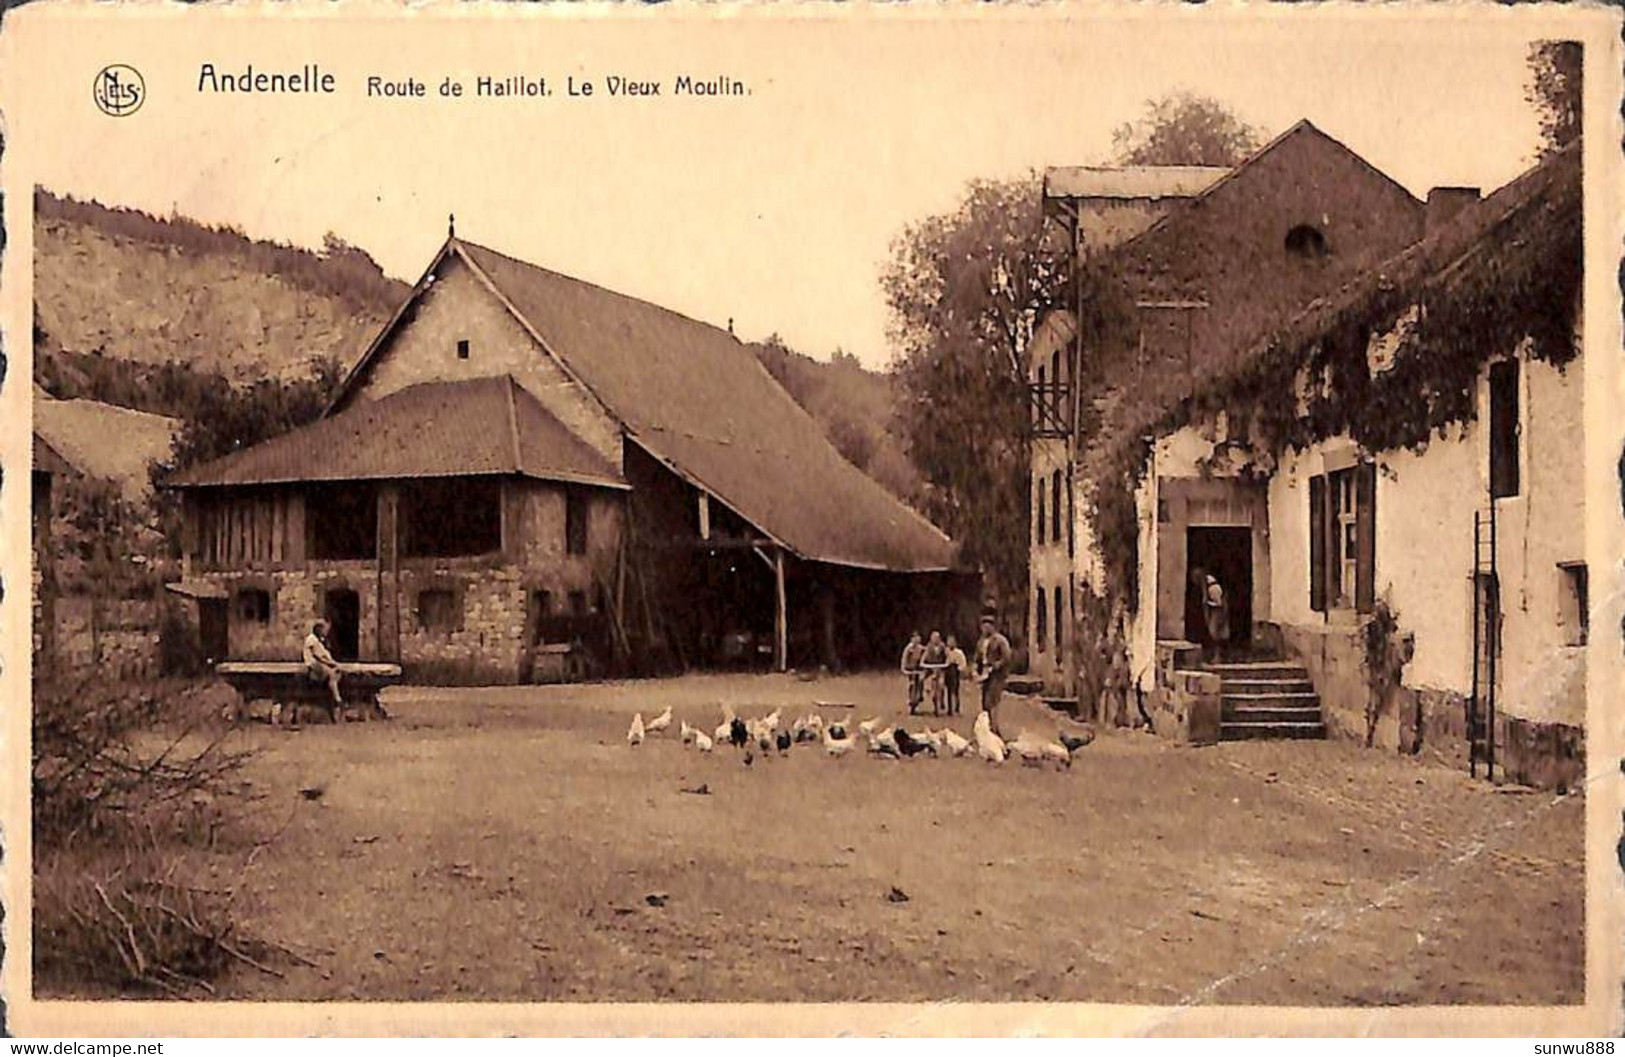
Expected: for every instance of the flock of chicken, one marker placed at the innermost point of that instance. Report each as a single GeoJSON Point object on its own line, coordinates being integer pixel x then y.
{"type": "Point", "coordinates": [763, 736]}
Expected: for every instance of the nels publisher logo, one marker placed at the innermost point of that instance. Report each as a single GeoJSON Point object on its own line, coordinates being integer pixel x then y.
{"type": "Point", "coordinates": [119, 90]}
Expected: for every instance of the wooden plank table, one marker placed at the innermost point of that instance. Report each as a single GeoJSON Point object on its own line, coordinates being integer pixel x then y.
{"type": "Point", "coordinates": [289, 684]}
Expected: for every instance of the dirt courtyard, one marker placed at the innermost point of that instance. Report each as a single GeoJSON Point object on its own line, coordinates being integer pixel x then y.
{"type": "Point", "coordinates": [504, 844]}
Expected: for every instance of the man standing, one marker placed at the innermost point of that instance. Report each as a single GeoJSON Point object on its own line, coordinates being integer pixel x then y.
{"type": "Point", "coordinates": [913, 655]}
{"type": "Point", "coordinates": [992, 666]}
{"type": "Point", "coordinates": [320, 664]}
{"type": "Point", "coordinates": [1216, 615]}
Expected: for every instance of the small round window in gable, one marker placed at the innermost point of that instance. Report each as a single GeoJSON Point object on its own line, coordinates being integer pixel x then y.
{"type": "Point", "coordinates": [1307, 242]}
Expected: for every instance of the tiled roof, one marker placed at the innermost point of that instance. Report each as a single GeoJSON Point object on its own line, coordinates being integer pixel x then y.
{"type": "Point", "coordinates": [436, 429]}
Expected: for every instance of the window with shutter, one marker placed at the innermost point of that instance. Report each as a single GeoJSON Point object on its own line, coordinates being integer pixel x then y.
{"type": "Point", "coordinates": [1317, 543]}
{"type": "Point", "coordinates": [1504, 429]}
{"type": "Point", "coordinates": [1365, 537]}
{"type": "Point", "coordinates": [1055, 507]}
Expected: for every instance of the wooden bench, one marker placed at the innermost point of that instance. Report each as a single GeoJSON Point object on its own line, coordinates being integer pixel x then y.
{"type": "Point", "coordinates": [290, 685]}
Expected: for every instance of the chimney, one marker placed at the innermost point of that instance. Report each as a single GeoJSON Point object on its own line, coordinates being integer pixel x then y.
{"type": "Point", "coordinates": [1444, 203]}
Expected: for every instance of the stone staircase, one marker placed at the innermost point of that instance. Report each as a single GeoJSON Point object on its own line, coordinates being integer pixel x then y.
{"type": "Point", "coordinates": [1267, 699]}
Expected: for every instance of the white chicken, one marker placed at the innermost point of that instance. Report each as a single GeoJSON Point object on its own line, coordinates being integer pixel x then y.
{"type": "Point", "coordinates": [723, 730]}
{"type": "Point", "coordinates": [955, 743]}
{"type": "Point", "coordinates": [634, 736]}
{"type": "Point", "coordinates": [1028, 749]}
{"type": "Point", "coordinates": [868, 726]}
{"type": "Point", "coordinates": [702, 741]}
{"type": "Point", "coordinates": [837, 747]}
{"type": "Point", "coordinates": [989, 746]}
{"type": "Point", "coordinates": [883, 742]}
{"type": "Point", "coordinates": [688, 732]}
{"type": "Point", "coordinates": [659, 723]}
{"type": "Point", "coordinates": [815, 723]}
{"type": "Point", "coordinates": [772, 721]}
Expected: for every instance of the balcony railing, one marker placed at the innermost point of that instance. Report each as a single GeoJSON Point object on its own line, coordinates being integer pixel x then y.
{"type": "Point", "coordinates": [1050, 404]}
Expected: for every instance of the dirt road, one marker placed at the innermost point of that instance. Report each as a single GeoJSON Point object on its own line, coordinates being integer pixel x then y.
{"type": "Point", "coordinates": [508, 845]}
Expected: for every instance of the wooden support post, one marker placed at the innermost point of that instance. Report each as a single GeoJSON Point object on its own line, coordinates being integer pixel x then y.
{"type": "Point", "coordinates": [389, 608]}
{"type": "Point", "coordinates": [781, 622]}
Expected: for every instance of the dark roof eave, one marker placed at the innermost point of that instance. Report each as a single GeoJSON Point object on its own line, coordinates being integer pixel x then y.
{"type": "Point", "coordinates": [560, 478]}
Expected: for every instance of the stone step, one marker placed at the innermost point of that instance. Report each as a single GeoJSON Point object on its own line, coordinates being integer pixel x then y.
{"type": "Point", "coordinates": [1289, 685]}
{"type": "Point", "coordinates": [1259, 670]}
{"type": "Point", "coordinates": [1265, 714]}
{"type": "Point", "coordinates": [1242, 731]}
{"type": "Point", "coordinates": [1304, 698]}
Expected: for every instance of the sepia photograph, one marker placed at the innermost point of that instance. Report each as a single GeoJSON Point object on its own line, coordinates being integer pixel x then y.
{"type": "Point", "coordinates": [1071, 507]}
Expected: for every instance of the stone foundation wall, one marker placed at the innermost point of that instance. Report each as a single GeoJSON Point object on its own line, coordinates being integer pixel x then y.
{"type": "Point", "coordinates": [109, 638]}
{"type": "Point", "coordinates": [486, 644]}
{"type": "Point", "coordinates": [1185, 705]}
{"type": "Point", "coordinates": [1427, 721]}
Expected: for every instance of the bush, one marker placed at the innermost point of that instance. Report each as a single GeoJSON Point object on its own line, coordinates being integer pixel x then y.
{"type": "Point", "coordinates": [126, 925]}
{"type": "Point", "coordinates": [91, 780]}
{"type": "Point", "coordinates": [126, 784]}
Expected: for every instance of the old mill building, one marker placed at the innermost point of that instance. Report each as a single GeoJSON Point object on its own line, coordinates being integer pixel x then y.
{"type": "Point", "coordinates": [1360, 412]}
{"type": "Point", "coordinates": [528, 477]}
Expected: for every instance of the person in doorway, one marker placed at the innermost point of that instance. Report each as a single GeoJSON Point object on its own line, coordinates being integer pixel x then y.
{"type": "Point", "coordinates": [992, 667]}
{"type": "Point", "coordinates": [320, 663]}
{"type": "Point", "coordinates": [913, 655]}
{"type": "Point", "coordinates": [958, 669]}
{"type": "Point", "coordinates": [1215, 617]}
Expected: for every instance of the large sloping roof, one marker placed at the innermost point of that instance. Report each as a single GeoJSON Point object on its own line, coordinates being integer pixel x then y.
{"type": "Point", "coordinates": [1535, 217]}
{"type": "Point", "coordinates": [117, 444]}
{"type": "Point", "coordinates": [1130, 181]}
{"type": "Point", "coordinates": [436, 429]}
{"type": "Point", "coordinates": [697, 399]}
{"type": "Point", "coordinates": [48, 460]}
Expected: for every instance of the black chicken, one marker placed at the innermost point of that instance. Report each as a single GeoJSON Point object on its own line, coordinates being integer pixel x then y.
{"type": "Point", "coordinates": [738, 735]}
{"type": "Point", "coordinates": [908, 744]}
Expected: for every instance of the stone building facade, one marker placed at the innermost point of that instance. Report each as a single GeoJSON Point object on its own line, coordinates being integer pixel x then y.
{"type": "Point", "coordinates": [1203, 261]}
{"type": "Point", "coordinates": [1419, 582]}
{"type": "Point", "coordinates": [524, 467]}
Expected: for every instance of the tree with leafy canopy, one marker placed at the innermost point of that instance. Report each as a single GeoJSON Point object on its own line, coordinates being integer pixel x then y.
{"type": "Point", "coordinates": [1185, 129]}
{"type": "Point", "coordinates": [1553, 89]}
{"type": "Point", "coordinates": [964, 289]}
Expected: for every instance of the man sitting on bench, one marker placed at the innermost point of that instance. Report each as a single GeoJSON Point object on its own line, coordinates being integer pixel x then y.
{"type": "Point", "coordinates": [319, 662]}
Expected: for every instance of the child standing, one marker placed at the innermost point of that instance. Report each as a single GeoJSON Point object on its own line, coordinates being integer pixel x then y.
{"type": "Point", "coordinates": [958, 668]}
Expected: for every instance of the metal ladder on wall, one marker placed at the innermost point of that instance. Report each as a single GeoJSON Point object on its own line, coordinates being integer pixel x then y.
{"type": "Point", "coordinates": [1486, 644]}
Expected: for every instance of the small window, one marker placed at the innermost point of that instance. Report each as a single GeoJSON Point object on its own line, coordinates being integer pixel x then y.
{"type": "Point", "coordinates": [1055, 379]}
{"type": "Point", "coordinates": [1306, 242]}
{"type": "Point", "coordinates": [438, 610]}
{"type": "Point", "coordinates": [575, 521]}
{"type": "Point", "coordinates": [253, 606]}
{"type": "Point", "coordinates": [1574, 604]}
{"type": "Point", "coordinates": [1060, 622]}
{"type": "Point", "coordinates": [1040, 521]}
{"type": "Point", "coordinates": [1055, 507]}
{"type": "Point", "coordinates": [462, 348]}
{"type": "Point", "coordinates": [1504, 429]}
{"type": "Point", "coordinates": [1041, 622]}
{"type": "Point", "coordinates": [1038, 404]}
